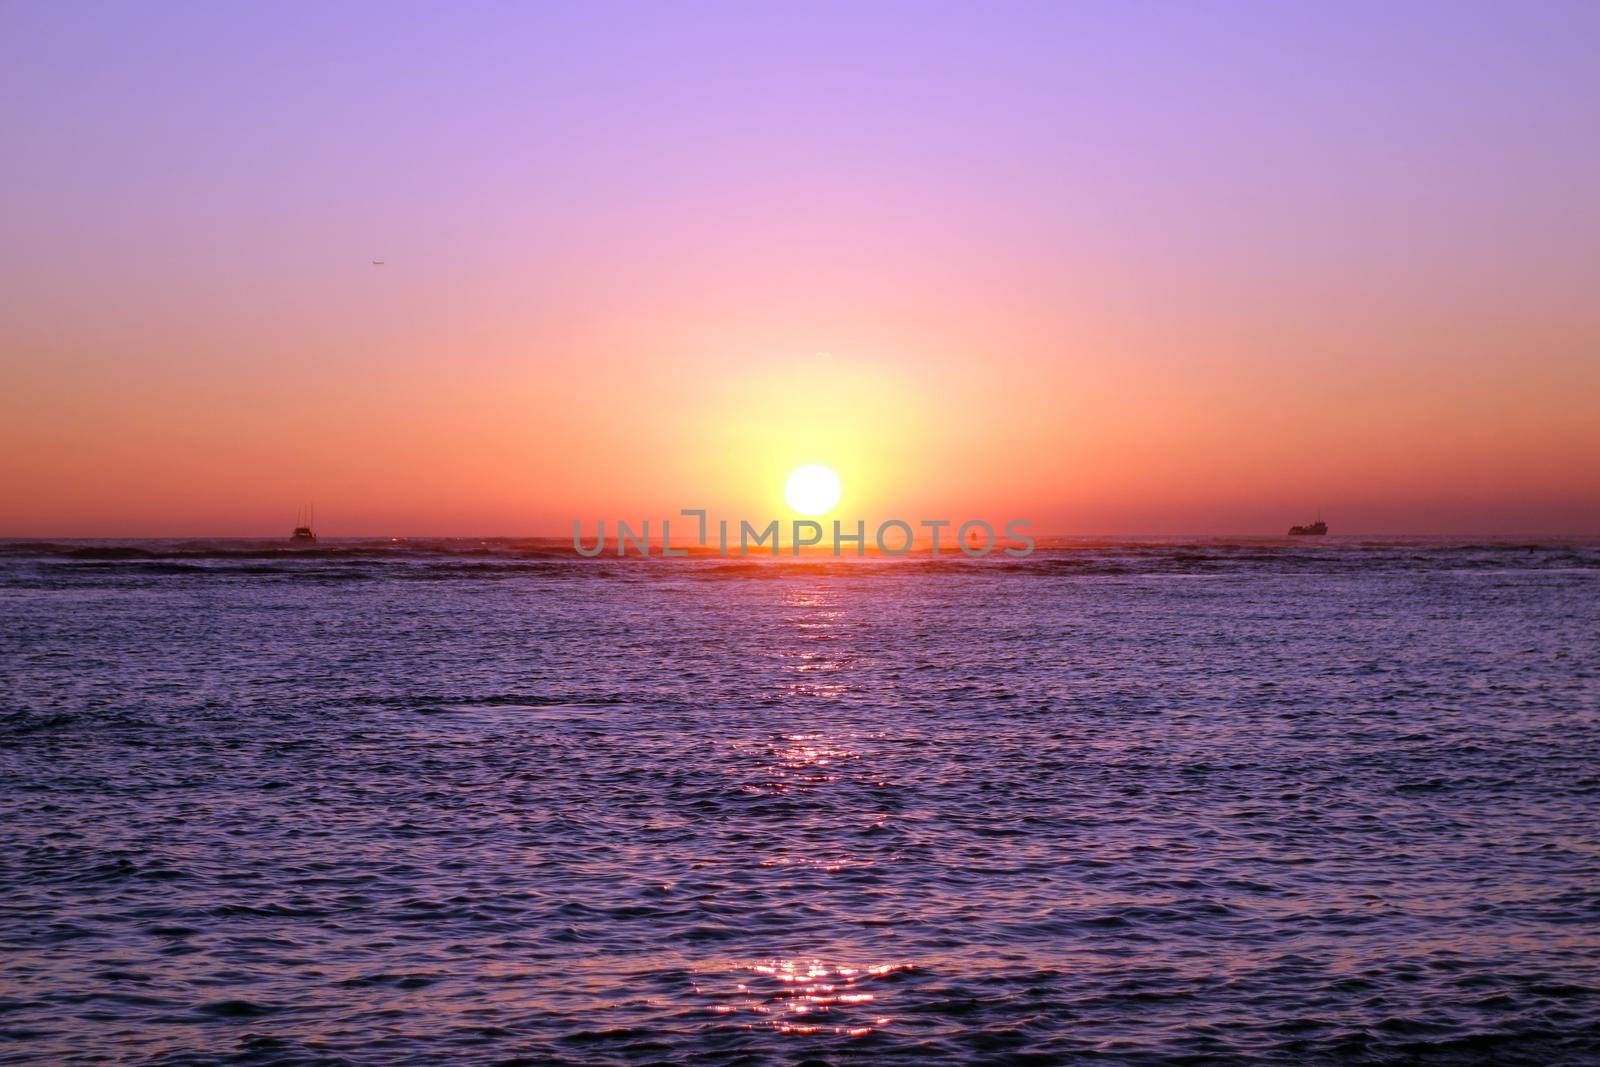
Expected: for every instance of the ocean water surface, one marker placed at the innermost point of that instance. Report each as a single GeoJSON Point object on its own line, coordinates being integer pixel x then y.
{"type": "Point", "coordinates": [470, 802]}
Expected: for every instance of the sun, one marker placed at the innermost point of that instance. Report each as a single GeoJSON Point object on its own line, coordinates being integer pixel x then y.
{"type": "Point", "coordinates": [812, 489]}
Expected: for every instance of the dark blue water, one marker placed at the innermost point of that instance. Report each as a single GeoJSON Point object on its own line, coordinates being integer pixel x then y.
{"type": "Point", "coordinates": [468, 802]}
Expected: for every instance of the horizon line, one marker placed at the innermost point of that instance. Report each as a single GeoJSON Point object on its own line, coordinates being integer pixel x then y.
{"type": "Point", "coordinates": [1257, 535]}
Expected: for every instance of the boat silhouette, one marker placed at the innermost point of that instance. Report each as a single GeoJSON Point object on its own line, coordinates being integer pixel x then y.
{"type": "Point", "coordinates": [303, 533]}
{"type": "Point", "coordinates": [1314, 529]}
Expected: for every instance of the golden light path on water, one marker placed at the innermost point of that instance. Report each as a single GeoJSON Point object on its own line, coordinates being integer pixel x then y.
{"type": "Point", "coordinates": [807, 995]}
{"type": "Point", "coordinates": [811, 656]}
{"type": "Point", "coordinates": [799, 994]}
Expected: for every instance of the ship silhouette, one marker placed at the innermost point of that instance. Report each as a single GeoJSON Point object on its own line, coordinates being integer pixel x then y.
{"type": "Point", "coordinates": [303, 533]}
{"type": "Point", "coordinates": [1314, 529]}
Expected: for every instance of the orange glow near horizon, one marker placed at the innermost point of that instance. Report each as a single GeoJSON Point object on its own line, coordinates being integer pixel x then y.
{"type": "Point", "coordinates": [1084, 443]}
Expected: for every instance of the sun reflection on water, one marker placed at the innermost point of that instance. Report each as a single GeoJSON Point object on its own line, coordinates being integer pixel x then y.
{"type": "Point", "coordinates": [814, 658]}
{"type": "Point", "coordinates": [806, 996]}
{"type": "Point", "coordinates": [829, 772]}
{"type": "Point", "coordinates": [800, 761]}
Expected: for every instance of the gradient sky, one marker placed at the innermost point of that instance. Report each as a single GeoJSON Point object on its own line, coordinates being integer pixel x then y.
{"type": "Point", "coordinates": [1117, 268]}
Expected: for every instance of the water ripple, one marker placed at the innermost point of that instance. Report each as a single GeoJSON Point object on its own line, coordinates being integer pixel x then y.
{"type": "Point", "coordinates": [1146, 803]}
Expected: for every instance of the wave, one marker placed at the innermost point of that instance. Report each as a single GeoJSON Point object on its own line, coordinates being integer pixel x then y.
{"type": "Point", "coordinates": [431, 559]}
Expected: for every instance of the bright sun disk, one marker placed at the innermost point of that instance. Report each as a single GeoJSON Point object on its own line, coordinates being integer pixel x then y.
{"type": "Point", "coordinates": [812, 490]}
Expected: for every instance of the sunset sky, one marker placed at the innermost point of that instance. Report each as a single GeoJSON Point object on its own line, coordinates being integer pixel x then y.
{"type": "Point", "coordinates": [1116, 268]}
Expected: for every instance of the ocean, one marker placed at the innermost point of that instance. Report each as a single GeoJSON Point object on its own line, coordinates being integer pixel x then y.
{"type": "Point", "coordinates": [1332, 800]}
